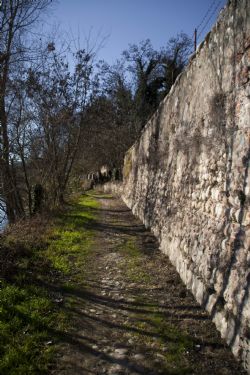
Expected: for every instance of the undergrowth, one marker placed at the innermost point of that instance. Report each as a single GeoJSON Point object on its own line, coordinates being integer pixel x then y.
{"type": "Point", "coordinates": [33, 311]}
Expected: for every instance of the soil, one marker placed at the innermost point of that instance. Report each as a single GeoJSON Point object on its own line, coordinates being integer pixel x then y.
{"type": "Point", "coordinates": [131, 313]}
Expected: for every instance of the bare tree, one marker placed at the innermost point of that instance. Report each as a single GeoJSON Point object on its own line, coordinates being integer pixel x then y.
{"type": "Point", "coordinates": [16, 18]}
{"type": "Point", "coordinates": [59, 97]}
{"type": "Point", "coordinates": [174, 58]}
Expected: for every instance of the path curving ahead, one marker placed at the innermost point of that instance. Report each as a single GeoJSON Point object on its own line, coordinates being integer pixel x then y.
{"type": "Point", "coordinates": [130, 312]}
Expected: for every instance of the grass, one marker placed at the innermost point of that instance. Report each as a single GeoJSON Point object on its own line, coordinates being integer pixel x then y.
{"type": "Point", "coordinates": [167, 339]}
{"type": "Point", "coordinates": [133, 267]}
{"type": "Point", "coordinates": [32, 321]}
{"type": "Point", "coordinates": [72, 235]}
{"type": "Point", "coordinates": [27, 316]}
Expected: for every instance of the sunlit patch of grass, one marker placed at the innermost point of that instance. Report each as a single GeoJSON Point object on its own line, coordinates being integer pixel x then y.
{"type": "Point", "coordinates": [31, 321]}
{"type": "Point", "coordinates": [69, 246]}
{"type": "Point", "coordinates": [89, 201]}
{"type": "Point", "coordinates": [72, 236]}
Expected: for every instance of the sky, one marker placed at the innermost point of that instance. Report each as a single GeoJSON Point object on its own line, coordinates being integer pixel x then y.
{"type": "Point", "coordinates": [117, 23]}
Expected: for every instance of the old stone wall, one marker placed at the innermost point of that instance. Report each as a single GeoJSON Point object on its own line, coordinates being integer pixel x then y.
{"type": "Point", "coordinates": [187, 177]}
{"type": "Point", "coordinates": [114, 187]}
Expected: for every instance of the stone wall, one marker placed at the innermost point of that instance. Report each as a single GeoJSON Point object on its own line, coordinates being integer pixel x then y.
{"type": "Point", "coordinates": [187, 177]}
{"type": "Point", "coordinates": [114, 187]}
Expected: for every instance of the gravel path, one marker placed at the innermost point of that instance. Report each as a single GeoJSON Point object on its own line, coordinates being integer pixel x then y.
{"type": "Point", "coordinates": [131, 313]}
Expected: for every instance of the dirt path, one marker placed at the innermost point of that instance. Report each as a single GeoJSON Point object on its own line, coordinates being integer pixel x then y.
{"type": "Point", "coordinates": [131, 313]}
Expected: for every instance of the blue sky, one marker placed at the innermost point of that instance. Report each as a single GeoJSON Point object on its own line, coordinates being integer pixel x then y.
{"type": "Point", "coordinates": [130, 21]}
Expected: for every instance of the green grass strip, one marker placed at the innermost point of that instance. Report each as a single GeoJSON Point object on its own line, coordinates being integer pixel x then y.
{"type": "Point", "coordinates": [32, 321]}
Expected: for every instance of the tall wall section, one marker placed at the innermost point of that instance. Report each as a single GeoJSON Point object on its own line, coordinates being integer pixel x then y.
{"type": "Point", "coordinates": [187, 177]}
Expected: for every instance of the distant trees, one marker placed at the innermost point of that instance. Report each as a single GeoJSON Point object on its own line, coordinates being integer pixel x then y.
{"type": "Point", "coordinates": [128, 94]}
{"type": "Point", "coordinates": [145, 66]}
{"type": "Point", "coordinates": [154, 72]}
{"type": "Point", "coordinates": [174, 59]}
{"type": "Point", "coordinates": [109, 119]}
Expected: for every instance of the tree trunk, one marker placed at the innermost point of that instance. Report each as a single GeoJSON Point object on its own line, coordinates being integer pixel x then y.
{"type": "Point", "coordinates": [8, 189]}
